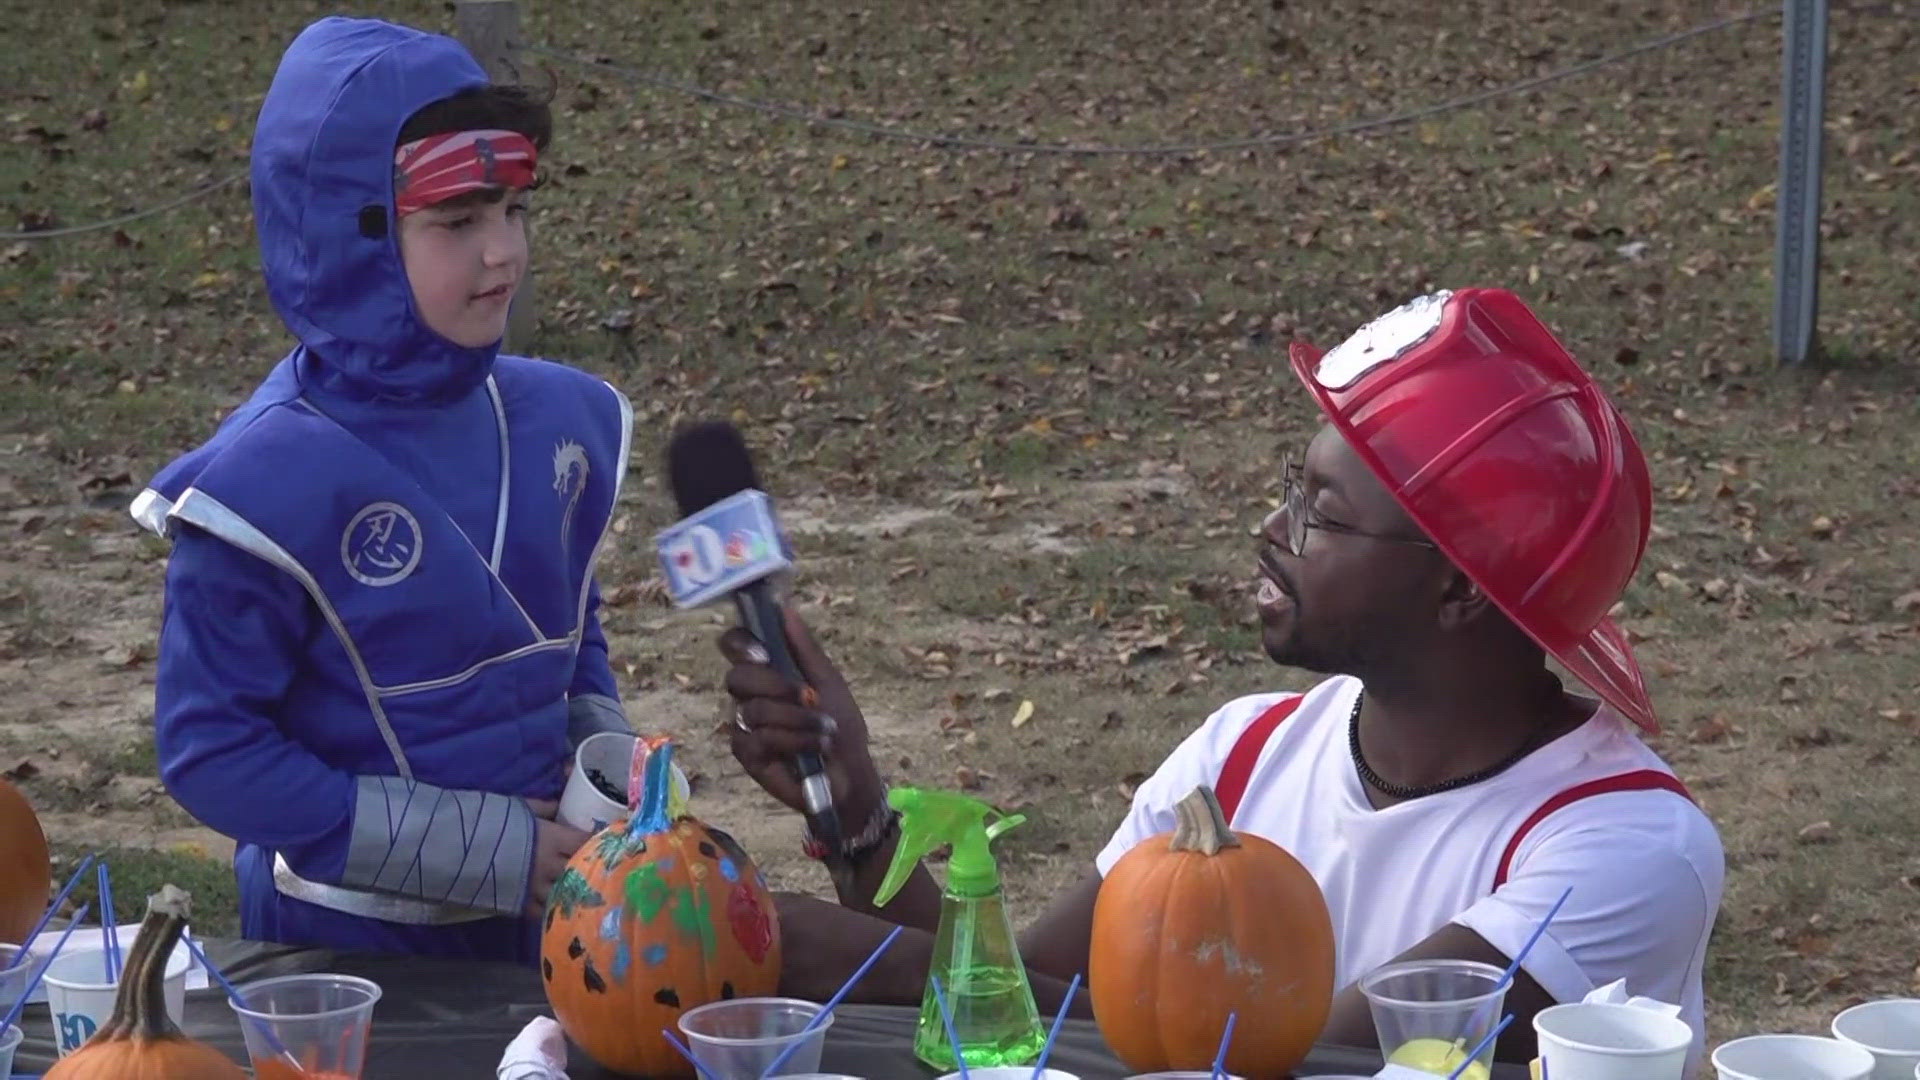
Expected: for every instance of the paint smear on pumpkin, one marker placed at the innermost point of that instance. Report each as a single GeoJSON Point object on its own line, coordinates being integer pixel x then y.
{"type": "Point", "coordinates": [610, 924]}
{"type": "Point", "coordinates": [622, 960]}
{"type": "Point", "coordinates": [654, 955]}
{"type": "Point", "coordinates": [647, 891]}
{"type": "Point", "coordinates": [693, 916]}
{"type": "Point", "coordinates": [572, 891]}
{"type": "Point", "coordinates": [751, 927]}
{"type": "Point", "coordinates": [729, 871]}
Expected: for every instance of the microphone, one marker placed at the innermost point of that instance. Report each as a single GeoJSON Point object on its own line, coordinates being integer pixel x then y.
{"type": "Point", "coordinates": [727, 543]}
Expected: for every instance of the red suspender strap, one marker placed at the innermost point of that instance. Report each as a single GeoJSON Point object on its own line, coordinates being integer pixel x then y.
{"type": "Point", "coordinates": [1642, 780]}
{"type": "Point", "coordinates": [1238, 770]}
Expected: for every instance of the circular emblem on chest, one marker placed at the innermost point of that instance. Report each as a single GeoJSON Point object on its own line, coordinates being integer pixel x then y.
{"type": "Point", "coordinates": [381, 545]}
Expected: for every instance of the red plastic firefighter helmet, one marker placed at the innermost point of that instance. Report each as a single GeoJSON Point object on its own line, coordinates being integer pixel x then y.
{"type": "Point", "coordinates": [1509, 457]}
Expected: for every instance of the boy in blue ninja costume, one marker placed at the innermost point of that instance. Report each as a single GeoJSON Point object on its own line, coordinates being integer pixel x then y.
{"type": "Point", "coordinates": [380, 642]}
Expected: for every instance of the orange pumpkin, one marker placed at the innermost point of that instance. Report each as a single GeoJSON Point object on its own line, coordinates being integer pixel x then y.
{"type": "Point", "coordinates": [654, 915]}
{"type": "Point", "coordinates": [1196, 924]}
{"type": "Point", "coordinates": [26, 870]}
{"type": "Point", "coordinates": [141, 1042]}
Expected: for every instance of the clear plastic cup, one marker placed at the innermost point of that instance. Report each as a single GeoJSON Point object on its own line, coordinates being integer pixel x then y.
{"type": "Point", "coordinates": [1022, 1072]}
{"type": "Point", "coordinates": [1429, 1013]}
{"type": "Point", "coordinates": [9, 1042]}
{"type": "Point", "coordinates": [321, 1020]}
{"type": "Point", "coordinates": [80, 997]}
{"type": "Point", "coordinates": [16, 968]}
{"type": "Point", "coordinates": [1889, 1029]}
{"type": "Point", "coordinates": [1202, 1074]}
{"type": "Point", "coordinates": [1791, 1057]}
{"type": "Point", "coordinates": [739, 1038]}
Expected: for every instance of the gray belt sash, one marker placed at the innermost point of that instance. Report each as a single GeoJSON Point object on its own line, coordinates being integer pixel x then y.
{"type": "Point", "coordinates": [386, 907]}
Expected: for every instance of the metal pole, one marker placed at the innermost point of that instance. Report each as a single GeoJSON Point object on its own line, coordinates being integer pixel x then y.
{"type": "Point", "coordinates": [490, 29]}
{"type": "Point", "coordinates": [1796, 264]}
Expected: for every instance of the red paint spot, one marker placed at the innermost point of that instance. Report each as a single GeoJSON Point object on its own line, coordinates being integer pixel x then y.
{"type": "Point", "coordinates": [751, 927]}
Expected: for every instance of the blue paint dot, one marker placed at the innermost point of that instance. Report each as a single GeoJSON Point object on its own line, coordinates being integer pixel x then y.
{"type": "Point", "coordinates": [665, 863]}
{"type": "Point", "coordinates": [728, 870]}
{"type": "Point", "coordinates": [610, 924]}
{"type": "Point", "coordinates": [655, 955]}
{"type": "Point", "coordinates": [622, 960]}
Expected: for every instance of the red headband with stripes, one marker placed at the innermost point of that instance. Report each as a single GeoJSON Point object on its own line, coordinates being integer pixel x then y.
{"type": "Point", "coordinates": [442, 167]}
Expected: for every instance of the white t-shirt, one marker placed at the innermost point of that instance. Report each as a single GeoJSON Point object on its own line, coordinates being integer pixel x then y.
{"type": "Point", "coordinates": [1646, 866]}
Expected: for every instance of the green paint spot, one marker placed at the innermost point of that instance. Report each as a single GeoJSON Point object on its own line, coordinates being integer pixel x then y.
{"type": "Point", "coordinates": [693, 916]}
{"type": "Point", "coordinates": [647, 892]}
{"type": "Point", "coordinates": [572, 891]}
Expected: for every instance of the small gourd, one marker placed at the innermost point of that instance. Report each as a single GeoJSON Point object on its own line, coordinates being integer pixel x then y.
{"type": "Point", "coordinates": [141, 1042]}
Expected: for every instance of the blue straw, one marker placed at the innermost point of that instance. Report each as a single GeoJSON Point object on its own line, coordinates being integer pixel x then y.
{"type": "Point", "coordinates": [1483, 1044]}
{"type": "Point", "coordinates": [1226, 1037]}
{"type": "Point", "coordinates": [113, 943]}
{"type": "Point", "coordinates": [47, 916]}
{"type": "Point", "coordinates": [827, 1009]}
{"type": "Point", "coordinates": [13, 1014]}
{"type": "Point", "coordinates": [688, 1054]}
{"type": "Point", "coordinates": [233, 995]}
{"type": "Point", "coordinates": [946, 1017]}
{"type": "Point", "coordinates": [1040, 1067]}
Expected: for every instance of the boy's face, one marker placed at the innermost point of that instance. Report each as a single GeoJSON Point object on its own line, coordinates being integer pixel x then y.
{"type": "Point", "coordinates": [464, 259]}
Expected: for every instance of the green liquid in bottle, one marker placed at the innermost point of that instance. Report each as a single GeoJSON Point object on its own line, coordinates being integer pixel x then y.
{"type": "Point", "coordinates": [978, 964]}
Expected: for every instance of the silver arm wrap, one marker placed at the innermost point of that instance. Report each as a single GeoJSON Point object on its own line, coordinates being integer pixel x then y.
{"type": "Point", "coordinates": [591, 714]}
{"type": "Point", "coordinates": [472, 848]}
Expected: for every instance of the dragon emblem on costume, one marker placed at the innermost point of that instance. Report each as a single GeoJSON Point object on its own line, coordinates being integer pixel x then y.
{"type": "Point", "coordinates": [570, 482]}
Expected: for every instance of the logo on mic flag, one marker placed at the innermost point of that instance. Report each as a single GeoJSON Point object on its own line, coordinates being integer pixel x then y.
{"type": "Point", "coordinates": [730, 544]}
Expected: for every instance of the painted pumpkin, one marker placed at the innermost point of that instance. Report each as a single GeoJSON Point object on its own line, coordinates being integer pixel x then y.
{"type": "Point", "coordinates": [26, 870]}
{"type": "Point", "coordinates": [141, 1042]}
{"type": "Point", "coordinates": [657, 913]}
{"type": "Point", "coordinates": [1196, 924]}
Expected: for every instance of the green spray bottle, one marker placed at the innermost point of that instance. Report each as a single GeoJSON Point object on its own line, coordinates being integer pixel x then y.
{"type": "Point", "coordinates": [975, 956]}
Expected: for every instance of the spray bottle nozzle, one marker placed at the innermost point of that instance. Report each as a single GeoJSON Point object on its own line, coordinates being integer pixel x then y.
{"type": "Point", "coordinates": [931, 818]}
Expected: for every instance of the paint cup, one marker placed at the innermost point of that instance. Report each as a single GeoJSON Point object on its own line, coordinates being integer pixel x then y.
{"type": "Point", "coordinates": [609, 753]}
{"type": "Point", "coordinates": [1791, 1057]}
{"type": "Point", "coordinates": [1596, 1041]}
{"type": "Point", "coordinates": [1422, 1010]}
{"type": "Point", "coordinates": [1022, 1072]}
{"type": "Point", "coordinates": [737, 1039]}
{"type": "Point", "coordinates": [16, 969]}
{"type": "Point", "coordinates": [1202, 1074]}
{"type": "Point", "coordinates": [1887, 1029]}
{"type": "Point", "coordinates": [321, 1019]}
{"type": "Point", "coordinates": [10, 1040]}
{"type": "Point", "coordinates": [80, 999]}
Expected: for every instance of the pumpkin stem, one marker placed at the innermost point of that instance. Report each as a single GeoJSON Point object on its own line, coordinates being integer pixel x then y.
{"type": "Point", "coordinates": [140, 1007]}
{"type": "Point", "coordinates": [656, 793]}
{"type": "Point", "coordinates": [1201, 824]}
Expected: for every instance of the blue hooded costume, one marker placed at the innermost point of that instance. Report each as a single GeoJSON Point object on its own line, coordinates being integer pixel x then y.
{"type": "Point", "coordinates": [380, 632]}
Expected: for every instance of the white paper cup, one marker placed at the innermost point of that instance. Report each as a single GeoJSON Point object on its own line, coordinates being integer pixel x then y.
{"type": "Point", "coordinates": [1791, 1057]}
{"type": "Point", "coordinates": [1598, 1041]}
{"type": "Point", "coordinates": [610, 753]}
{"type": "Point", "coordinates": [80, 999]}
{"type": "Point", "coordinates": [1889, 1030]}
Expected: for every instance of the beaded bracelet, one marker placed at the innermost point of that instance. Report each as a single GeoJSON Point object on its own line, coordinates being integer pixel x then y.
{"type": "Point", "coordinates": [880, 827]}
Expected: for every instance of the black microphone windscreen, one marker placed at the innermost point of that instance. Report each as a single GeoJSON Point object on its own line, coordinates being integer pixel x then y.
{"type": "Point", "coordinates": [706, 462]}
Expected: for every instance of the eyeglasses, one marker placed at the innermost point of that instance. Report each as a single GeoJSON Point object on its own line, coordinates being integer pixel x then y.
{"type": "Point", "coordinates": [1294, 504]}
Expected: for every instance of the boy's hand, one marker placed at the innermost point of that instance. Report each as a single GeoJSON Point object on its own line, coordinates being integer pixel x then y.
{"type": "Point", "coordinates": [546, 809]}
{"type": "Point", "coordinates": [553, 845]}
